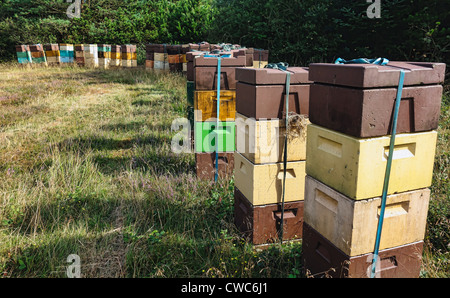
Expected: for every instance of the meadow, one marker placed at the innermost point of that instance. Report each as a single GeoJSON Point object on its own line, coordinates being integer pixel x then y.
{"type": "Point", "coordinates": [86, 168]}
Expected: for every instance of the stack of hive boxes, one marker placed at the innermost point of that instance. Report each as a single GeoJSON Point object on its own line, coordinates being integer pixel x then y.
{"type": "Point", "coordinates": [91, 55]}
{"type": "Point", "coordinates": [52, 54]}
{"type": "Point", "coordinates": [351, 112]}
{"type": "Point", "coordinates": [23, 54]}
{"type": "Point", "coordinates": [150, 56]}
{"type": "Point", "coordinates": [104, 55]}
{"type": "Point", "coordinates": [258, 160]}
{"type": "Point", "coordinates": [174, 58]}
{"type": "Point", "coordinates": [79, 54]}
{"type": "Point", "coordinates": [160, 57]}
{"type": "Point", "coordinates": [129, 55]}
{"type": "Point", "coordinates": [38, 55]}
{"type": "Point", "coordinates": [205, 113]}
{"type": "Point", "coordinates": [256, 58]}
{"type": "Point", "coordinates": [66, 52]}
{"type": "Point", "coordinates": [185, 48]}
{"type": "Point", "coordinates": [260, 58]}
{"type": "Point", "coordinates": [116, 56]}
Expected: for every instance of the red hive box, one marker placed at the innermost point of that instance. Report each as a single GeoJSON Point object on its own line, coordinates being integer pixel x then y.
{"type": "Point", "coordinates": [261, 224]}
{"type": "Point", "coordinates": [205, 72]}
{"type": "Point", "coordinates": [360, 100]}
{"type": "Point", "coordinates": [321, 258]}
{"type": "Point", "coordinates": [261, 92]}
{"type": "Point", "coordinates": [205, 164]}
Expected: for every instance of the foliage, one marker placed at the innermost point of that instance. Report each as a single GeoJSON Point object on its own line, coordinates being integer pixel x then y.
{"type": "Point", "coordinates": [304, 31]}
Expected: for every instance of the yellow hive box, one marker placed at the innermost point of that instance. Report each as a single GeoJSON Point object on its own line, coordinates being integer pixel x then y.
{"type": "Point", "coordinates": [262, 141]}
{"type": "Point", "coordinates": [259, 64]}
{"type": "Point", "coordinates": [351, 225]}
{"type": "Point", "coordinates": [356, 167]}
{"type": "Point", "coordinates": [52, 53]}
{"type": "Point", "coordinates": [262, 184]}
{"type": "Point", "coordinates": [126, 56]}
{"type": "Point", "coordinates": [163, 57]}
{"type": "Point", "coordinates": [205, 105]}
{"type": "Point", "coordinates": [116, 55]}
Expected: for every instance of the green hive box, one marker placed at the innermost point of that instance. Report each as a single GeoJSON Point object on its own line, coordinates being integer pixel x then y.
{"type": "Point", "coordinates": [205, 136]}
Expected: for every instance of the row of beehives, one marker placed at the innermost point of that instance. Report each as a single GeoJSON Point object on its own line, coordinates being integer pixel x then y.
{"type": "Point", "coordinates": [89, 55]}
{"type": "Point", "coordinates": [175, 58]}
{"type": "Point", "coordinates": [338, 144]}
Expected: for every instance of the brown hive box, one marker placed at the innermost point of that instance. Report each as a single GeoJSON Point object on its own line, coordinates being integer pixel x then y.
{"type": "Point", "coordinates": [261, 224]}
{"type": "Point", "coordinates": [51, 47]}
{"type": "Point", "coordinates": [205, 164]}
{"type": "Point", "coordinates": [261, 92]}
{"type": "Point", "coordinates": [190, 64]}
{"type": "Point", "coordinates": [359, 99]}
{"type": "Point", "coordinates": [322, 259]}
{"type": "Point", "coordinates": [205, 72]}
{"type": "Point", "coordinates": [36, 48]}
{"type": "Point", "coordinates": [22, 48]}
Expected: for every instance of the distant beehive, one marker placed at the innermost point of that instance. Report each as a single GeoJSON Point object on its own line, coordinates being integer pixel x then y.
{"type": "Point", "coordinates": [52, 54]}
{"type": "Point", "coordinates": [23, 54]}
{"type": "Point", "coordinates": [66, 52]}
{"type": "Point", "coordinates": [129, 56]}
{"type": "Point", "coordinates": [91, 55]}
{"type": "Point", "coordinates": [38, 55]}
{"type": "Point", "coordinates": [79, 54]}
{"type": "Point", "coordinates": [104, 55]}
{"type": "Point", "coordinates": [116, 56]}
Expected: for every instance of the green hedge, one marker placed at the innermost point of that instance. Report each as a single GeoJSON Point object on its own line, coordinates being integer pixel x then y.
{"type": "Point", "coordinates": [295, 31]}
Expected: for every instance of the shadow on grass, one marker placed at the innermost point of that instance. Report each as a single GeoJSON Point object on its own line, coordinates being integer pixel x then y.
{"type": "Point", "coordinates": [146, 153]}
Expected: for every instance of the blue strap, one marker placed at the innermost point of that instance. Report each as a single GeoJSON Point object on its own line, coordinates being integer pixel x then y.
{"type": "Point", "coordinates": [217, 55]}
{"type": "Point", "coordinates": [379, 61]}
{"type": "Point", "coordinates": [388, 170]}
{"type": "Point", "coordinates": [280, 65]}
{"type": "Point", "coordinates": [216, 172]}
{"type": "Point", "coordinates": [283, 67]}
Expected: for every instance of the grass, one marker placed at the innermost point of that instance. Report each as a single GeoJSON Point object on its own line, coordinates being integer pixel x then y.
{"type": "Point", "coordinates": [86, 168]}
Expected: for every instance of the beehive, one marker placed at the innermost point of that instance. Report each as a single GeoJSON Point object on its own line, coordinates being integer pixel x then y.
{"type": "Point", "coordinates": [52, 54]}
{"type": "Point", "coordinates": [348, 142]}
{"type": "Point", "coordinates": [91, 55]}
{"type": "Point", "coordinates": [23, 54]}
{"type": "Point", "coordinates": [104, 55]}
{"type": "Point", "coordinates": [260, 58]}
{"type": "Point", "coordinates": [129, 55]}
{"type": "Point", "coordinates": [79, 54]}
{"type": "Point", "coordinates": [67, 53]}
{"type": "Point", "coordinates": [38, 55]}
{"type": "Point", "coordinates": [116, 56]}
